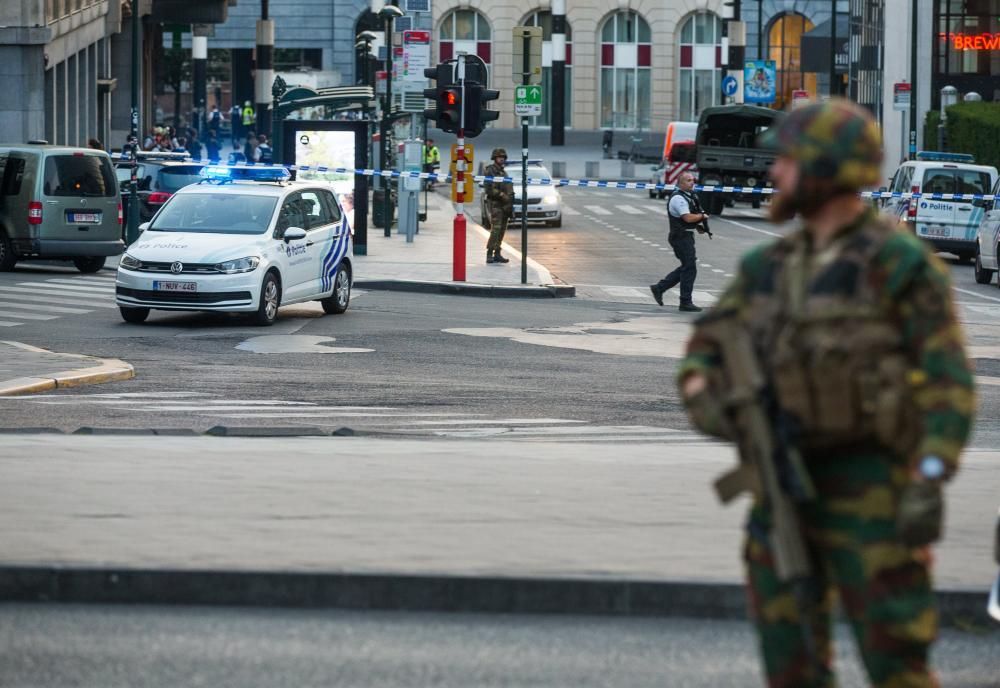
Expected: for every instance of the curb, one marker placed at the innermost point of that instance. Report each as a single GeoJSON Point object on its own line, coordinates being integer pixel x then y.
{"type": "Point", "coordinates": [470, 288]}
{"type": "Point", "coordinates": [479, 594]}
{"type": "Point", "coordinates": [107, 370]}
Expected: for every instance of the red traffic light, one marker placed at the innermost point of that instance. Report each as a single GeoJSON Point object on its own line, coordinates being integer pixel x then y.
{"type": "Point", "coordinates": [450, 97]}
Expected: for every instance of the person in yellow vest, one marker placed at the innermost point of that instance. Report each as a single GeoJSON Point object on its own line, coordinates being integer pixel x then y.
{"type": "Point", "coordinates": [432, 159]}
{"type": "Point", "coordinates": [248, 116]}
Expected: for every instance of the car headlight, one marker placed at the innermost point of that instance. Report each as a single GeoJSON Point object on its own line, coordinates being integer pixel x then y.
{"type": "Point", "coordinates": [551, 199]}
{"type": "Point", "coordinates": [130, 263]}
{"type": "Point", "coordinates": [231, 267]}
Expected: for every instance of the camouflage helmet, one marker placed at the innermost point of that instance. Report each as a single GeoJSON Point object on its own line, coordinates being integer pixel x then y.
{"type": "Point", "coordinates": [498, 152]}
{"type": "Point", "coordinates": [836, 140]}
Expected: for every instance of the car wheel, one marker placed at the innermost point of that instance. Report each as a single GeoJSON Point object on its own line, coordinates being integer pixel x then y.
{"type": "Point", "coordinates": [983, 276]}
{"type": "Point", "coordinates": [340, 299]}
{"type": "Point", "coordinates": [89, 264]}
{"type": "Point", "coordinates": [8, 259]}
{"type": "Point", "coordinates": [270, 299]}
{"type": "Point", "coordinates": [134, 315]}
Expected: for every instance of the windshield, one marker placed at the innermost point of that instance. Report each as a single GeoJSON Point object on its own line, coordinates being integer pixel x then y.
{"type": "Point", "coordinates": [79, 175]}
{"type": "Point", "coordinates": [533, 172]}
{"type": "Point", "coordinates": [215, 213]}
{"type": "Point", "coordinates": [178, 176]}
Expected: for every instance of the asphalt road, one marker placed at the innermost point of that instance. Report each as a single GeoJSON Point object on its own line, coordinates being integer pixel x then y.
{"type": "Point", "coordinates": [96, 646]}
{"type": "Point", "coordinates": [428, 364]}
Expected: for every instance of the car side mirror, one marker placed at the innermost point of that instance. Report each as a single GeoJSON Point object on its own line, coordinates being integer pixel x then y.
{"type": "Point", "coordinates": [882, 189]}
{"type": "Point", "coordinates": [143, 227]}
{"type": "Point", "coordinates": [293, 234]}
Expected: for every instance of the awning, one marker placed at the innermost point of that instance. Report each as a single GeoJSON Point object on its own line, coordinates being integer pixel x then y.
{"type": "Point", "coordinates": [815, 47]}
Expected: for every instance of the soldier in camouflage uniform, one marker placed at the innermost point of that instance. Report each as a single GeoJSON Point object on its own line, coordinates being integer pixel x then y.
{"type": "Point", "coordinates": [852, 321]}
{"type": "Point", "coordinates": [500, 201]}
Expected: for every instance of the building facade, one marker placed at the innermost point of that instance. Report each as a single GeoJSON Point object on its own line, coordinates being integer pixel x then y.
{"type": "Point", "coordinates": [631, 64]}
{"type": "Point", "coordinates": [55, 67]}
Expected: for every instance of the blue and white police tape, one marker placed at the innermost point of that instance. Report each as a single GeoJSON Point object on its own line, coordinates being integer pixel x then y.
{"type": "Point", "coordinates": [591, 183]}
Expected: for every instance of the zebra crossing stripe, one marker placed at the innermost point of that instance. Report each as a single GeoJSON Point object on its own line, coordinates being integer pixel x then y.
{"type": "Point", "coordinates": [76, 285]}
{"type": "Point", "coordinates": [27, 316]}
{"type": "Point", "coordinates": [57, 297]}
{"type": "Point", "coordinates": [8, 303]}
{"type": "Point", "coordinates": [629, 210]}
{"type": "Point", "coordinates": [596, 210]}
{"type": "Point", "coordinates": [7, 323]}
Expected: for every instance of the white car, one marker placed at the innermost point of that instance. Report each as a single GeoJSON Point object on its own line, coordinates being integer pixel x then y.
{"type": "Point", "coordinates": [544, 201]}
{"type": "Point", "coordinates": [987, 258]}
{"type": "Point", "coordinates": [243, 240]}
{"type": "Point", "coordinates": [947, 225]}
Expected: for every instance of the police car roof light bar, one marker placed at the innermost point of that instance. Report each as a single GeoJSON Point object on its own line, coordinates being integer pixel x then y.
{"type": "Point", "coordinates": [216, 173]}
{"type": "Point", "coordinates": [938, 156]}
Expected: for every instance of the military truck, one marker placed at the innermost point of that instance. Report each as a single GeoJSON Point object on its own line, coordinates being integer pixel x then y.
{"type": "Point", "coordinates": [728, 154]}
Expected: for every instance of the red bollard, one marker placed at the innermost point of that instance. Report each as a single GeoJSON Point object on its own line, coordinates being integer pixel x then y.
{"type": "Point", "coordinates": [458, 249]}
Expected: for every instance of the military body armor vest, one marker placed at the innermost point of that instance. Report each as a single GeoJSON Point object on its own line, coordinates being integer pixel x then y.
{"type": "Point", "coordinates": [822, 328]}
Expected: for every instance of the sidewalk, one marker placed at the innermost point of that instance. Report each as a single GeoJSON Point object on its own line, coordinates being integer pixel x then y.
{"type": "Point", "coordinates": [372, 522]}
{"type": "Point", "coordinates": [27, 369]}
{"type": "Point", "coordinates": [426, 263]}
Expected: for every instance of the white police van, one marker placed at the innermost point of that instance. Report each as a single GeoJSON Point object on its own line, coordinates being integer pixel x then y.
{"type": "Point", "coordinates": [241, 240]}
{"type": "Point", "coordinates": [948, 225]}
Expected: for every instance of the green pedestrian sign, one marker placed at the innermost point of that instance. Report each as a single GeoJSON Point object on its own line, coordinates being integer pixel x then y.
{"type": "Point", "coordinates": [528, 101]}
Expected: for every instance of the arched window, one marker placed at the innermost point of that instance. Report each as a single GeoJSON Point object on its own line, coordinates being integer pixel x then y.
{"type": "Point", "coordinates": [784, 40]}
{"type": "Point", "coordinates": [626, 58]}
{"type": "Point", "coordinates": [544, 20]}
{"type": "Point", "coordinates": [700, 73]}
{"type": "Point", "coordinates": [465, 31]}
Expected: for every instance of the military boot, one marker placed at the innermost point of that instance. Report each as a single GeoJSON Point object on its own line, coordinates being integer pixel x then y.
{"type": "Point", "coordinates": [489, 256]}
{"type": "Point", "coordinates": [497, 258]}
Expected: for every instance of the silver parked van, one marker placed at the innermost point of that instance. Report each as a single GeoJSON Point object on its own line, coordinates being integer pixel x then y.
{"type": "Point", "coordinates": [58, 202]}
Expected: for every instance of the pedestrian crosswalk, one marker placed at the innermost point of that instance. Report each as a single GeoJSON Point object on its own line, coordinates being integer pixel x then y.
{"type": "Point", "coordinates": [43, 298]}
{"type": "Point", "coordinates": [172, 409]}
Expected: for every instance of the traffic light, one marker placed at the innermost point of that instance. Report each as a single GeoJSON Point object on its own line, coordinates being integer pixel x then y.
{"type": "Point", "coordinates": [477, 112]}
{"type": "Point", "coordinates": [446, 96]}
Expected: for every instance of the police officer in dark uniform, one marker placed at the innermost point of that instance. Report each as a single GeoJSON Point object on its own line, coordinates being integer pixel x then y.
{"type": "Point", "coordinates": [686, 217]}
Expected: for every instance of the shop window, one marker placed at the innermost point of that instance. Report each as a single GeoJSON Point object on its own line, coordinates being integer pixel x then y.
{"type": "Point", "coordinates": [784, 47]}
{"type": "Point", "coordinates": [700, 74]}
{"type": "Point", "coordinates": [626, 61]}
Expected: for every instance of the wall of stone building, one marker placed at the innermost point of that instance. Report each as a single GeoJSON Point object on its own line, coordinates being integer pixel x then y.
{"type": "Point", "coordinates": [586, 19]}
{"type": "Point", "coordinates": [22, 118]}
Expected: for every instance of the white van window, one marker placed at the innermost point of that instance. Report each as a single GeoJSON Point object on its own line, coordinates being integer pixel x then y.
{"type": "Point", "coordinates": [938, 181]}
{"type": "Point", "coordinates": [79, 175]}
{"type": "Point", "coordinates": [972, 182]}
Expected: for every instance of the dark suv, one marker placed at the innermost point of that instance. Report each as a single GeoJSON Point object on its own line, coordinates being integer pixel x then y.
{"type": "Point", "coordinates": [159, 176]}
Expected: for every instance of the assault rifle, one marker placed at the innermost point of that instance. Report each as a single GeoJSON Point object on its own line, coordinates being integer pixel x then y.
{"type": "Point", "coordinates": [770, 466]}
{"type": "Point", "coordinates": [704, 229]}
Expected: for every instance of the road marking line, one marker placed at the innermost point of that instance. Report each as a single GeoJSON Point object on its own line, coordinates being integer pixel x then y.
{"type": "Point", "coordinates": [629, 210]}
{"type": "Point", "coordinates": [57, 297]}
{"type": "Point", "coordinates": [752, 229]}
{"type": "Point", "coordinates": [661, 211]}
{"type": "Point", "coordinates": [976, 294]}
{"type": "Point", "coordinates": [570, 211]}
{"type": "Point", "coordinates": [597, 210]}
{"type": "Point", "coordinates": [77, 285]}
{"type": "Point", "coordinates": [7, 323]}
{"type": "Point", "coordinates": [110, 279]}
{"type": "Point", "coordinates": [232, 407]}
{"type": "Point", "coordinates": [27, 316]}
{"type": "Point", "coordinates": [705, 265]}
{"type": "Point", "coordinates": [8, 303]}
{"type": "Point", "coordinates": [501, 421]}
{"type": "Point", "coordinates": [717, 270]}
{"type": "Point", "coordinates": [76, 292]}
{"type": "Point", "coordinates": [340, 414]}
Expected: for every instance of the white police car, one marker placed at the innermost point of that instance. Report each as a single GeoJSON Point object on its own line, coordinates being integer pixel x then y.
{"type": "Point", "coordinates": [242, 240]}
{"type": "Point", "coordinates": [947, 224]}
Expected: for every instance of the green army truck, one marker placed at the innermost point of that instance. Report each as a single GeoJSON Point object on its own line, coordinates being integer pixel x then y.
{"type": "Point", "coordinates": [728, 154]}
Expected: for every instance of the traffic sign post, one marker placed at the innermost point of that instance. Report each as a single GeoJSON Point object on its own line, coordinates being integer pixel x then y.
{"type": "Point", "coordinates": [528, 101]}
{"type": "Point", "coordinates": [527, 55]}
{"type": "Point", "coordinates": [901, 93]}
{"type": "Point", "coordinates": [729, 86]}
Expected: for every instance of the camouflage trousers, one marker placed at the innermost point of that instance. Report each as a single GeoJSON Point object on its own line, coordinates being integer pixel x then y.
{"type": "Point", "coordinates": [498, 228]}
{"type": "Point", "coordinates": [884, 587]}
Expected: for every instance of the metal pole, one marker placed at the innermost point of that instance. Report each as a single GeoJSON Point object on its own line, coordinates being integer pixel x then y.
{"type": "Point", "coordinates": [199, 59]}
{"type": "Point", "coordinates": [558, 96]}
{"type": "Point", "coordinates": [265, 69]}
{"type": "Point", "coordinates": [458, 250]}
{"type": "Point", "coordinates": [833, 90]}
{"type": "Point", "coordinates": [760, 29]}
{"type": "Point", "coordinates": [914, 14]}
{"type": "Point", "coordinates": [132, 231]}
{"type": "Point", "coordinates": [525, 79]}
{"type": "Point", "coordinates": [386, 112]}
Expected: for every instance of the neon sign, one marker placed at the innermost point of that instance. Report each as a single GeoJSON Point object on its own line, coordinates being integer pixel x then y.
{"type": "Point", "coordinates": [972, 41]}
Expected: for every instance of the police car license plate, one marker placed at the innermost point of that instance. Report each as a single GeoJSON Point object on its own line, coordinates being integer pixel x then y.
{"type": "Point", "coordinates": [937, 231]}
{"type": "Point", "coordinates": [175, 286]}
{"type": "Point", "coordinates": [83, 218]}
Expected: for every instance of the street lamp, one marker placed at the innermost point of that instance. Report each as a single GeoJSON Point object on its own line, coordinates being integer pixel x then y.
{"type": "Point", "coordinates": [389, 14]}
{"type": "Point", "coordinates": [364, 43]}
{"type": "Point", "coordinates": [132, 229]}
